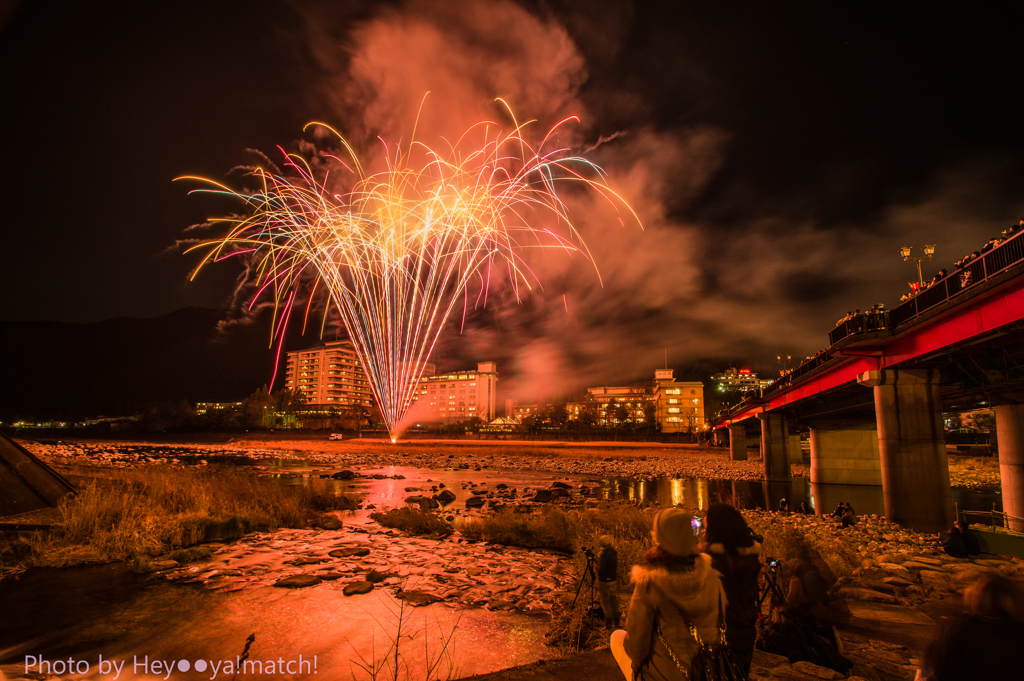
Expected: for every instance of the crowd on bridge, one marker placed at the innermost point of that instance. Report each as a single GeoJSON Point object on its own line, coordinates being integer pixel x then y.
{"type": "Point", "coordinates": [962, 265]}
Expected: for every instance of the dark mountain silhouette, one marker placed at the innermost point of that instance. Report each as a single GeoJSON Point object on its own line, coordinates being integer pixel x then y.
{"type": "Point", "coordinates": [55, 370]}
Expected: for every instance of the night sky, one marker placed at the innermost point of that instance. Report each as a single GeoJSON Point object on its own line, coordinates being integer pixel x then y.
{"type": "Point", "coordinates": [779, 154]}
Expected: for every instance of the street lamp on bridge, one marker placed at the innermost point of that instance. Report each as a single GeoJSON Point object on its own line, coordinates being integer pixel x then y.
{"type": "Point", "coordinates": [929, 249]}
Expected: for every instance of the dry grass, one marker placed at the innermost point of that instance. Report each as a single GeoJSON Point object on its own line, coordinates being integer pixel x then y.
{"type": "Point", "coordinates": [572, 627]}
{"type": "Point", "coordinates": [149, 512]}
{"type": "Point", "coordinates": [413, 521]}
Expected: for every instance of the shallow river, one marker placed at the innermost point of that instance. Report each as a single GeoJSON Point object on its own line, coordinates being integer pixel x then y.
{"type": "Point", "coordinates": [666, 491]}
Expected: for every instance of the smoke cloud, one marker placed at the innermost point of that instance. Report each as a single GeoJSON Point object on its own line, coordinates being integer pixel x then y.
{"type": "Point", "coordinates": [730, 276]}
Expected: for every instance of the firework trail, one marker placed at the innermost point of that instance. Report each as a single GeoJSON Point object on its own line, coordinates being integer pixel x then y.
{"type": "Point", "coordinates": [400, 249]}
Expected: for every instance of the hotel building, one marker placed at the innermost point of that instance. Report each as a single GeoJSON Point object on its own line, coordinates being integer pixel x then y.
{"type": "Point", "coordinates": [679, 405]}
{"type": "Point", "coordinates": [458, 395]}
{"type": "Point", "coordinates": [329, 375]}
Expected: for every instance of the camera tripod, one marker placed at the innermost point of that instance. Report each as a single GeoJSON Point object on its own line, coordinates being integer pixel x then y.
{"type": "Point", "coordinates": [587, 572]}
{"type": "Point", "coordinates": [770, 584]}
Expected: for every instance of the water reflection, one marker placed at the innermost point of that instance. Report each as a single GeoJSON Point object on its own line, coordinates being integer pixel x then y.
{"type": "Point", "coordinates": [664, 491]}
{"type": "Point", "coordinates": [820, 498]}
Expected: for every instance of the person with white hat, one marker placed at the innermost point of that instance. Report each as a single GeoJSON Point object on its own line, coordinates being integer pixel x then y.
{"type": "Point", "coordinates": [675, 588]}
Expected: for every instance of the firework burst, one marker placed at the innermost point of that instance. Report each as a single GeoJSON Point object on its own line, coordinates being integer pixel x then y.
{"type": "Point", "coordinates": [399, 250]}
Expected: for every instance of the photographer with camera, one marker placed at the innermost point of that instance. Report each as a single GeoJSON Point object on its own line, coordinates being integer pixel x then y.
{"type": "Point", "coordinates": [735, 554]}
{"type": "Point", "coordinates": [675, 589]}
{"type": "Point", "coordinates": [608, 581]}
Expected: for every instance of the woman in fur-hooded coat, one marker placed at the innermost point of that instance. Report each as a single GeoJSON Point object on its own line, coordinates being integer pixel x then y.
{"type": "Point", "coordinates": [674, 588]}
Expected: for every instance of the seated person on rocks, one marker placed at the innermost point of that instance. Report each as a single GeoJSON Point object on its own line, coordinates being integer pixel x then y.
{"type": "Point", "coordinates": [953, 543]}
{"type": "Point", "coordinates": [849, 518]}
{"type": "Point", "coordinates": [808, 590]}
{"type": "Point", "coordinates": [804, 632]}
{"type": "Point", "coordinates": [971, 544]}
{"type": "Point", "coordinates": [784, 505]}
{"type": "Point", "coordinates": [982, 643]}
{"type": "Point", "coordinates": [840, 511]}
{"type": "Point", "coordinates": [674, 589]}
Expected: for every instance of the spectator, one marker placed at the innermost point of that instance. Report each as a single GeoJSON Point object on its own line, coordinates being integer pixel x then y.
{"type": "Point", "coordinates": [784, 505]}
{"type": "Point", "coordinates": [953, 543]}
{"type": "Point", "coordinates": [808, 590]}
{"type": "Point", "coordinates": [848, 517]}
{"type": "Point", "coordinates": [971, 544]}
{"type": "Point", "coordinates": [978, 645]}
{"type": "Point", "coordinates": [734, 554]}
{"type": "Point", "coordinates": [840, 511]}
{"type": "Point", "coordinates": [674, 589]}
{"type": "Point", "coordinates": [608, 581]}
{"type": "Point", "coordinates": [990, 245]}
{"type": "Point", "coordinates": [804, 508]}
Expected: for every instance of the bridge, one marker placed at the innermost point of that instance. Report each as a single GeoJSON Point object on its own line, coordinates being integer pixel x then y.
{"type": "Point", "coordinates": [873, 400]}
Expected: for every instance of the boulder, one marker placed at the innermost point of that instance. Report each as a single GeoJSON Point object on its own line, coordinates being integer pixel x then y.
{"type": "Point", "coordinates": [543, 495]}
{"type": "Point", "coordinates": [358, 588]}
{"type": "Point", "coordinates": [559, 484]}
{"type": "Point", "coordinates": [376, 577]}
{"type": "Point", "coordinates": [344, 475]}
{"type": "Point", "coordinates": [446, 496]}
{"type": "Point", "coordinates": [161, 565]}
{"type": "Point", "coordinates": [816, 670]}
{"type": "Point", "coordinates": [329, 523]}
{"type": "Point", "coordinates": [414, 499]}
{"type": "Point", "coordinates": [330, 576]}
{"type": "Point", "coordinates": [428, 504]}
{"type": "Point", "coordinates": [349, 552]}
{"type": "Point", "coordinates": [417, 598]}
{"type": "Point", "coordinates": [474, 502]}
{"type": "Point", "coordinates": [559, 492]}
{"type": "Point", "coordinates": [297, 581]}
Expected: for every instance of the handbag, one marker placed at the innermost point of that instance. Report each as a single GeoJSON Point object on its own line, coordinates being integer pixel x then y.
{"type": "Point", "coordinates": [713, 662]}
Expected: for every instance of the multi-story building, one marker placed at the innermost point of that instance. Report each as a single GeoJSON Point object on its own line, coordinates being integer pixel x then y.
{"type": "Point", "coordinates": [458, 395]}
{"type": "Point", "coordinates": [329, 375]}
{"type": "Point", "coordinates": [739, 380]}
{"type": "Point", "coordinates": [608, 400]}
{"type": "Point", "coordinates": [679, 404]}
{"type": "Point", "coordinates": [517, 412]}
{"type": "Point", "coordinates": [217, 407]}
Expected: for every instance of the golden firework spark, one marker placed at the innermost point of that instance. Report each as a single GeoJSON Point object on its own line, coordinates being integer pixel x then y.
{"type": "Point", "coordinates": [399, 249]}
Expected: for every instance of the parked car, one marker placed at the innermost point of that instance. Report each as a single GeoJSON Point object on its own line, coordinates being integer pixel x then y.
{"type": "Point", "coordinates": [336, 436]}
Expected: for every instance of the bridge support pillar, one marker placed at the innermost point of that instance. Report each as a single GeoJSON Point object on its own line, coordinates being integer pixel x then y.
{"type": "Point", "coordinates": [738, 441]}
{"type": "Point", "coordinates": [1010, 434]}
{"type": "Point", "coordinates": [844, 452]}
{"type": "Point", "coordinates": [775, 444]}
{"type": "Point", "coordinates": [911, 447]}
{"type": "Point", "coordinates": [796, 452]}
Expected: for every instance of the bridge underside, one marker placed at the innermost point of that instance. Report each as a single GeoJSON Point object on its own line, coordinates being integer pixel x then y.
{"type": "Point", "coordinates": [876, 421]}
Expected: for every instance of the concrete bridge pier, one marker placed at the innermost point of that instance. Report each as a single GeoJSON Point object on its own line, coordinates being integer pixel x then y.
{"type": "Point", "coordinates": [1010, 435]}
{"type": "Point", "coordinates": [738, 441]}
{"type": "Point", "coordinates": [775, 445]}
{"type": "Point", "coordinates": [911, 447]}
{"type": "Point", "coordinates": [844, 452]}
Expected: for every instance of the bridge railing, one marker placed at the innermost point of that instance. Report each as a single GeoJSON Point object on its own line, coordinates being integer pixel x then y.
{"type": "Point", "coordinates": [1006, 254]}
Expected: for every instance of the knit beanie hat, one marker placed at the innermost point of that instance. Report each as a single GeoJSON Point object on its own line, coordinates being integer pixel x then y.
{"type": "Point", "coordinates": [673, 532]}
{"type": "Point", "coordinates": [725, 525]}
